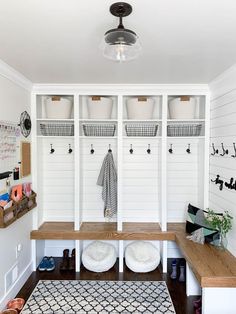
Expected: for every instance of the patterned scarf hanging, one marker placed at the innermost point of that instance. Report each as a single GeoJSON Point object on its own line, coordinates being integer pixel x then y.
{"type": "Point", "coordinates": [108, 180]}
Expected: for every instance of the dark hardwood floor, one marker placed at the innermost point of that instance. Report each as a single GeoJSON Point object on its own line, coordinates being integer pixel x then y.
{"type": "Point", "coordinates": [182, 303]}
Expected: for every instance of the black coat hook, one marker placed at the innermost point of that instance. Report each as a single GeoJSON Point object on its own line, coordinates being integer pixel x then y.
{"type": "Point", "coordinates": [231, 184]}
{"type": "Point", "coordinates": [218, 181]}
{"type": "Point", "coordinates": [215, 151]}
{"type": "Point", "coordinates": [149, 149]}
{"type": "Point", "coordinates": [234, 156]}
{"type": "Point", "coordinates": [70, 150]}
{"type": "Point", "coordinates": [131, 149]}
{"type": "Point", "coordinates": [170, 149]}
{"type": "Point", "coordinates": [91, 150]}
{"type": "Point", "coordinates": [109, 150]}
{"type": "Point", "coordinates": [52, 150]}
{"type": "Point", "coordinates": [188, 149]}
{"type": "Point", "coordinates": [225, 151]}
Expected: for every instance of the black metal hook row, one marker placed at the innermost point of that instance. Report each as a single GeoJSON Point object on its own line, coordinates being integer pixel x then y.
{"type": "Point", "coordinates": [92, 151]}
{"type": "Point", "coordinates": [148, 150]}
{"type": "Point", "coordinates": [52, 150]}
{"type": "Point", "coordinates": [188, 150]}
{"type": "Point", "coordinates": [224, 151]}
{"type": "Point", "coordinates": [230, 185]}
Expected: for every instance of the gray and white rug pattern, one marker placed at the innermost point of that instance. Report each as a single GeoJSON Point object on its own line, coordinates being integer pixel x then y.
{"type": "Point", "coordinates": [70, 297]}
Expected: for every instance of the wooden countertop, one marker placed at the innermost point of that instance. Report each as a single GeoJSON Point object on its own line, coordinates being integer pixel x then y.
{"type": "Point", "coordinates": [211, 266]}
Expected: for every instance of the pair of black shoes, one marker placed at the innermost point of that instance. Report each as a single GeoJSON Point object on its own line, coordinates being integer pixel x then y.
{"type": "Point", "coordinates": [68, 262]}
{"type": "Point", "coordinates": [181, 270]}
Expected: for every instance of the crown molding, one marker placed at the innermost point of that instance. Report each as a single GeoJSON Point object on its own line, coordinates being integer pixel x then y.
{"type": "Point", "coordinates": [16, 77]}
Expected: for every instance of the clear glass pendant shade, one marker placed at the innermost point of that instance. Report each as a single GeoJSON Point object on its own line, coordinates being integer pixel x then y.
{"type": "Point", "coordinates": [121, 44]}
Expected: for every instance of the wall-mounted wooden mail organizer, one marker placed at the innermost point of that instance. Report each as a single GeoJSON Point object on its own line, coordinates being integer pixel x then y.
{"type": "Point", "coordinates": [17, 210]}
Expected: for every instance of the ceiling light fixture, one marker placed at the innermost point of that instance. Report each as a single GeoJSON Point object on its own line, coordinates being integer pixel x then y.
{"type": "Point", "coordinates": [121, 44]}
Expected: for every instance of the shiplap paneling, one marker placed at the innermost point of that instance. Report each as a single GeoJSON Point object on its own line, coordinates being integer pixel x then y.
{"type": "Point", "coordinates": [57, 173]}
{"type": "Point", "coordinates": [183, 177]}
{"type": "Point", "coordinates": [223, 130]}
{"type": "Point", "coordinates": [91, 203]}
{"type": "Point", "coordinates": [141, 179]}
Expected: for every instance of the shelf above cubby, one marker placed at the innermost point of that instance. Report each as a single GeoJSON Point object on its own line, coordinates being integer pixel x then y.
{"type": "Point", "coordinates": [141, 121]}
{"type": "Point", "coordinates": [97, 137]}
{"type": "Point", "coordinates": [185, 120]}
{"type": "Point", "coordinates": [55, 136]}
{"type": "Point", "coordinates": [55, 120]}
{"type": "Point", "coordinates": [98, 120]}
{"type": "Point", "coordinates": [185, 137]}
{"type": "Point", "coordinates": [141, 137]}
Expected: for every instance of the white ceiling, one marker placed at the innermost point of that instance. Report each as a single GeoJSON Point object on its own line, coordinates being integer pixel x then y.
{"type": "Point", "coordinates": [57, 41]}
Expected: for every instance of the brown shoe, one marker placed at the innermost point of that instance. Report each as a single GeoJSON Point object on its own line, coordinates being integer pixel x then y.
{"type": "Point", "coordinates": [72, 261]}
{"type": "Point", "coordinates": [65, 260]}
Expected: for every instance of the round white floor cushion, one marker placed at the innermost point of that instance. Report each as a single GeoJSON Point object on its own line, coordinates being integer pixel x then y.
{"type": "Point", "coordinates": [142, 257]}
{"type": "Point", "coordinates": [99, 256]}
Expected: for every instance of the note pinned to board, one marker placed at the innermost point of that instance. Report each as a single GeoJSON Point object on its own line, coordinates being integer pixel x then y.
{"type": "Point", "coordinates": [25, 159]}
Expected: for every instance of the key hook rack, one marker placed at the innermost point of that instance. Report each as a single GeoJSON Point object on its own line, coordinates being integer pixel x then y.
{"type": "Point", "coordinates": [234, 156]}
{"type": "Point", "coordinates": [131, 149]}
{"type": "Point", "coordinates": [92, 149]}
{"type": "Point", "coordinates": [52, 150]}
{"type": "Point", "coordinates": [170, 149]}
{"type": "Point", "coordinates": [225, 151]}
{"type": "Point", "coordinates": [215, 151]}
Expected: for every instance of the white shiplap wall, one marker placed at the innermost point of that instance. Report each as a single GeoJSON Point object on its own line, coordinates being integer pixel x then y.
{"type": "Point", "coordinates": [223, 130]}
{"type": "Point", "coordinates": [141, 179]}
{"type": "Point", "coordinates": [57, 179]}
{"type": "Point", "coordinates": [91, 203]}
{"type": "Point", "coordinates": [184, 177]}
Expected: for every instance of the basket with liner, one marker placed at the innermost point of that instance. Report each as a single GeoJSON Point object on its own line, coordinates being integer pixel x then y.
{"type": "Point", "coordinates": [140, 108]}
{"type": "Point", "coordinates": [141, 129]}
{"type": "Point", "coordinates": [58, 107]}
{"type": "Point", "coordinates": [57, 129]}
{"type": "Point", "coordinates": [99, 107]}
{"type": "Point", "coordinates": [184, 129]}
{"type": "Point", "coordinates": [182, 107]}
{"type": "Point", "coordinates": [99, 129]}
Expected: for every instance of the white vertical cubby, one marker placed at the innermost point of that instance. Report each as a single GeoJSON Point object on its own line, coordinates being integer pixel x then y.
{"type": "Point", "coordinates": [153, 187]}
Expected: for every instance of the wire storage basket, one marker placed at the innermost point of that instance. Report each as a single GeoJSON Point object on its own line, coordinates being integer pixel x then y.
{"type": "Point", "coordinates": [99, 129]}
{"type": "Point", "coordinates": [141, 129]}
{"type": "Point", "coordinates": [57, 129]}
{"type": "Point", "coordinates": [184, 130]}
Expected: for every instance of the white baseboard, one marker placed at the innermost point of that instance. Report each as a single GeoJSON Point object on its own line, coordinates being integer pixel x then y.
{"type": "Point", "coordinates": [12, 292]}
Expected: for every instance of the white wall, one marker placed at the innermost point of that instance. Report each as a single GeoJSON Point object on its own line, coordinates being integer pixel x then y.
{"type": "Point", "coordinates": [13, 100]}
{"type": "Point", "coordinates": [223, 130]}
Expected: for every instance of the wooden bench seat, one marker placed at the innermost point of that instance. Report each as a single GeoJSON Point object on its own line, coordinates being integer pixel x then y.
{"type": "Point", "coordinates": [211, 266]}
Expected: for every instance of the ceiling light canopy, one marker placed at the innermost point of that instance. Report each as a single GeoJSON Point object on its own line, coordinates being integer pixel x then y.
{"type": "Point", "coordinates": [121, 44]}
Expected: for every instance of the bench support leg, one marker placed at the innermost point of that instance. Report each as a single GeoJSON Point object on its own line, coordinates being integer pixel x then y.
{"type": "Point", "coordinates": [164, 256]}
{"type": "Point", "coordinates": [121, 256]}
{"type": "Point", "coordinates": [192, 285]}
{"type": "Point", "coordinates": [78, 250]}
{"type": "Point", "coordinates": [218, 300]}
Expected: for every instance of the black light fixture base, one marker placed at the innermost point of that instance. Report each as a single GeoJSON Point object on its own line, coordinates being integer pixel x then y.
{"type": "Point", "coordinates": [120, 9]}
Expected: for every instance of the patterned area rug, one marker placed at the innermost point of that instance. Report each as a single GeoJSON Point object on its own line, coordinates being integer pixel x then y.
{"type": "Point", "coordinates": [63, 296]}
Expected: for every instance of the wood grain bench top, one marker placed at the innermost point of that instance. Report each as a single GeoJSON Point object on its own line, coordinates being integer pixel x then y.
{"type": "Point", "coordinates": [211, 266]}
